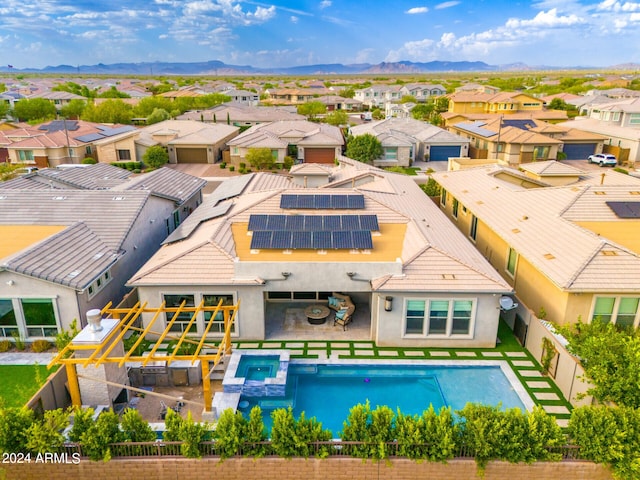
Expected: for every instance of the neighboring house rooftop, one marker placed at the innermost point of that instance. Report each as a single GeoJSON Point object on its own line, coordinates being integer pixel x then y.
{"type": "Point", "coordinates": [241, 113]}
{"type": "Point", "coordinates": [67, 237]}
{"type": "Point", "coordinates": [541, 223]}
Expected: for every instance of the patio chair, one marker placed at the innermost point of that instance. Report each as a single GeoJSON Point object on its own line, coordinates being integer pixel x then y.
{"type": "Point", "coordinates": [342, 317]}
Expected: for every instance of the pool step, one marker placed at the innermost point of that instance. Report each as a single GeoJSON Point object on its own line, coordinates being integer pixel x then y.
{"type": "Point", "coordinates": [218, 372]}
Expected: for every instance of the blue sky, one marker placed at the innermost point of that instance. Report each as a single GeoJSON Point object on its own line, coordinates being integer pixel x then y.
{"type": "Point", "coordinates": [38, 33]}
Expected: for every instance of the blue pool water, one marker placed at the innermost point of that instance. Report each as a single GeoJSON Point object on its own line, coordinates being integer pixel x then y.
{"type": "Point", "coordinates": [329, 391]}
{"type": "Point", "coordinates": [258, 367]}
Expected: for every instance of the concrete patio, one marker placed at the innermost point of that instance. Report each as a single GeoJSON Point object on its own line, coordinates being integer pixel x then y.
{"type": "Point", "coordinates": [287, 321]}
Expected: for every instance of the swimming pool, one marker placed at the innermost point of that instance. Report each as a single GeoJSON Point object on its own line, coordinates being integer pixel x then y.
{"type": "Point", "coordinates": [328, 391]}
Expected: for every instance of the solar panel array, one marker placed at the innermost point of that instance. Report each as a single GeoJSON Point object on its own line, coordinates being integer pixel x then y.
{"type": "Point", "coordinates": [317, 240]}
{"type": "Point", "coordinates": [316, 232]}
{"type": "Point", "coordinates": [625, 209]}
{"type": "Point", "coordinates": [322, 201]}
{"type": "Point", "coordinates": [313, 223]}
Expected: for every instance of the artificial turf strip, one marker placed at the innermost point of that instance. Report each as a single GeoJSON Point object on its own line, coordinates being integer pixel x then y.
{"type": "Point", "coordinates": [20, 382]}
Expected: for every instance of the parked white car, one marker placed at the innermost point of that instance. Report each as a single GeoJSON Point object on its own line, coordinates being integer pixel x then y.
{"type": "Point", "coordinates": [603, 159]}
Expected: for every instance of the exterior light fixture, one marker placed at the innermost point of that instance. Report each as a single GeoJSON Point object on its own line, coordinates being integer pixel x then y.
{"type": "Point", "coordinates": [286, 274]}
{"type": "Point", "coordinates": [388, 304]}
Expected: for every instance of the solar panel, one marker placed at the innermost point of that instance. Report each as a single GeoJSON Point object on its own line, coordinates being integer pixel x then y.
{"type": "Point", "coordinates": [257, 222]}
{"type": "Point", "coordinates": [313, 222]}
{"type": "Point", "coordinates": [369, 222]}
{"type": "Point", "coordinates": [342, 240]}
{"type": "Point", "coordinates": [322, 240]}
{"type": "Point", "coordinates": [294, 222]}
{"type": "Point", "coordinates": [288, 201]}
{"type": "Point", "coordinates": [322, 201]}
{"type": "Point", "coordinates": [301, 240]}
{"type": "Point", "coordinates": [281, 239]}
{"type": "Point", "coordinates": [356, 201]}
{"type": "Point", "coordinates": [306, 201]}
{"type": "Point", "coordinates": [276, 222]}
{"type": "Point", "coordinates": [332, 222]}
{"type": "Point", "coordinates": [261, 239]}
{"type": "Point", "coordinates": [350, 222]}
{"type": "Point", "coordinates": [362, 239]}
{"type": "Point", "coordinates": [625, 209]}
{"type": "Point", "coordinates": [339, 201]}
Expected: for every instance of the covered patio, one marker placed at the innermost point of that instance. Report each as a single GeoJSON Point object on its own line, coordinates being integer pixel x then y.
{"type": "Point", "coordinates": [287, 321]}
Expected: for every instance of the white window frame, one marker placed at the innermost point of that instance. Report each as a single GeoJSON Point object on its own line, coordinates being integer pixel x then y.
{"type": "Point", "coordinates": [616, 308]}
{"type": "Point", "coordinates": [449, 326]}
{"type": "Point", "coordinates": [473, 228]}
{"type": "Point", "coordinates": [21, 322]}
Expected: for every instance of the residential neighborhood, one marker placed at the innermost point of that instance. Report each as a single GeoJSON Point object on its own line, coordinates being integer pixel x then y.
{"type": "Point", "coordinates": [210, 248]}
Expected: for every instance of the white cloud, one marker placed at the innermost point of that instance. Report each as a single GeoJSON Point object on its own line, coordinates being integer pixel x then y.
{"type": "Point", "coordinates": [442, 5]}
{"type": "Point", "coordinates": [294, 19]}
{"type": "Point", "coordinates": [548, 19]}
{"type": "Point", "coordinates": [364, 55]}
{"type": "Point", "coordinates": [615, 6]}
{"type": "Point", "coordinates": [325, 4]}
{"type": "Point", "coordinates": [416, 10]}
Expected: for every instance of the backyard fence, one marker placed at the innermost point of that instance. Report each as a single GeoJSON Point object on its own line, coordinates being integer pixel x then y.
{"type": "Point", "coordinates": [333, 448]}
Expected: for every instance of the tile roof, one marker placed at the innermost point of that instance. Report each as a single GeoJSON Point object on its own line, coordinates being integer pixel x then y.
{"type": "Point", "coordinates": [166, 183]}
{"type": "Point", "coordinates": [206, 253]}
{"type": "Point", "coordinates": [539, 224]}
{"type": "Point", "coordinates": [109, 215]}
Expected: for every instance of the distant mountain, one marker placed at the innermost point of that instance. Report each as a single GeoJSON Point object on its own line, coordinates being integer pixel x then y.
{"type": "Point", "coordinates": [216, 67]}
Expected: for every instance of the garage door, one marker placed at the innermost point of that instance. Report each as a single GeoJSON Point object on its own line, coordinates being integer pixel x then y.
{"type": "Point", "coordinates": [191, 155]}
{"type": "Point", "coordinates": [579, 151]}
{"type": "Point", "coordinates": [319, 155]}
{"type": "Point", "coordinates": [442, 153]}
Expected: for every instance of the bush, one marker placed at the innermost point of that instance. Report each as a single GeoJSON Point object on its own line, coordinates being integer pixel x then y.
{"type": "Point", "coordinates": [223, 165]}
{"type": "Point", "coordinates": [231, 168]}
{"type": "Point", "coordinates": [82, 421]}
{"type": "Point", "coordinates": [5, 345]}
{"type": "Point", "coordinates": [621, 170]}
{"type": "Point", "coordinates": [14, 426]}
{"type": "Point", "coordinates": [431, 188]}
{"type": "Point", "coordinates": [46, 435]}
{"type": "Point", "coordinates": [136, 170]}
{"type": "Point", "coordinates": [64, 337]}
{"type": "Point", "coordinates": [242, 165]}
{"type": "Point", "coordinates": [18, 341]}
{"type": "Point", "coordinates": [610, 436]}
{"type": "Point", "coordinates": [130, 341]}
{"type": "Point", "coordinates": [39, 346]}
{"type": "Point", "coordinates": [89, 161]}
{"type": "Point", "coordinates": [156, 156]}
{"type": "Point", "coordinates": [97, 439]}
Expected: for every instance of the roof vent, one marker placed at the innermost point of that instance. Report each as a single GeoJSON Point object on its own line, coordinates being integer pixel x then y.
{"type": "Point", "coordinates": [118, 198]}
{"type": "Point", "coordinates": [609, 253]}
{"type": "Point", "coordinates": [59, 198]}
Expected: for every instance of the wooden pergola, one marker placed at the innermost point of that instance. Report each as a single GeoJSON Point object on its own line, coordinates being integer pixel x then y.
{"type": "Point", "coordinates": [101, 353]}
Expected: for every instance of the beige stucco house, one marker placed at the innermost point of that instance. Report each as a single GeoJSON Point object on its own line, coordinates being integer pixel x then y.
{"type": "Point", "coordinates": [373, 236]}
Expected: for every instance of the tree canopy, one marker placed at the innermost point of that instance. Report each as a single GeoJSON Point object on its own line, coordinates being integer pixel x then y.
{"type": "Point", "coordinates": [110, 111]}
{"type": "Point", "coordinates": [260, 158]}
{"type": "Point", "coordinates": [337, 118]}
{"type": "Point", "coordinates": [155, 157]}
{"type": "Point", "coordinates": [34, 109]}
{"type": "Point", "coordinates": [312, 109]}
{"type": "Point", "coordinates": [611, 359]}
{"type": "Point", "coordinates": [364, 148]}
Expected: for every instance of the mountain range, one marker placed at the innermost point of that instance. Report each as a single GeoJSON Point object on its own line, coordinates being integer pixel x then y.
{"type": "Point", "coordinates": [218, 68]}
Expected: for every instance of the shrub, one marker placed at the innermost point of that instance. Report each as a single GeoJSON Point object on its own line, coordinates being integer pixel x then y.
{"type": "Point", "coordinates": [431, 436]}
{"type": "Point", "coordinates": [136, 170]}
{"type": "Point", "coordinates": [242, 165]}
{"type": "Point", "coordinates": [18, 341]}
{"type": "Point", "coordinates": [97, 439]}
{"type": "Point", "coordinates": [64, 337]}
{"type": "Point", "coordinates": [82, 420]}
{"type": "Point", "coordinates": [14, 425]}
{"type": "Point", "coordinates": [156, 156]}
{"type": "Point", "coordinates": [5, 345]}
{"type": "Point", "coordinates": [223, 165]}
{"type": "Point", "coordinates": [192, 434]}
{"type": "Point", "coordinates": [229, 434]}
{"type": "Point", "coordinates": [135, 428]}
{"type": "Point", "coordinates": [130, 341]}
{"type": "Point", "coordinates": [231, 168]}
{"type": "Point", "coordinates": [89, 161]}
{"type": "Point", "coordinates": [288, 163]}
{"type": "Point", "coordinates": [431, 188]}
{"type": "Point", "coordinates": [621, 170]}
{"type": "Point", "coordinates": [39, 346]}
{"type": "Point", "coordinates": [46, 435]}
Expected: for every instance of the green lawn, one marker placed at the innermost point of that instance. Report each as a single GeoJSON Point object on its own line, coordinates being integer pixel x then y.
{"type": "Point", "coordinates": [20, 382]}
{"type": "Point", "coordinates": [405, 170]}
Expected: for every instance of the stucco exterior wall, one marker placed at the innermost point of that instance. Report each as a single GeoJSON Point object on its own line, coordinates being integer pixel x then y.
{"type": "Point", "coordinates": [108, 152]}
